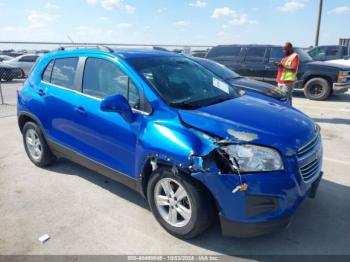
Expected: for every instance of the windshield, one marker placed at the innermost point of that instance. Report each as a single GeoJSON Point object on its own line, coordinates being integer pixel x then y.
{"type": "Point", "coordinates": [183, 83]}
{"type": "Point", "coordinates": [218, 69]}
{"type": "Point", "coordinates": [304, 57]}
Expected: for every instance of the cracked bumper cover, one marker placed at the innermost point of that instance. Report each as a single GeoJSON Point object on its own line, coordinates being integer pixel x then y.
{"type": "Point", "coordinates": [268, 204]}
{"type": "Point", "coordinates": [245, 230]}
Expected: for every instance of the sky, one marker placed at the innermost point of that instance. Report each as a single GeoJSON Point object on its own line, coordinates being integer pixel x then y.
{"type": "Point", "coordinates": [180, 22]}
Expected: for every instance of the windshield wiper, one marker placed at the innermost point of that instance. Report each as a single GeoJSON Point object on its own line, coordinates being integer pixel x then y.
{"type": "Point", "coordinates": [219, 99]}
{"type": "Point", "coordinates": [183, 105]}
{"type": "Point", "coordinates": [232, 78]}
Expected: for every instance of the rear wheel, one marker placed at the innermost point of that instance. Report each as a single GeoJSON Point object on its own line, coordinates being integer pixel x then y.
{"type": "Point", "coordinates": [317, 89]}
{"type": "Point", "coordinates": [35, 145]}
{"type": "Point", "coordinates": [21, 75]}
{"type": "Point", "coordinates": [179, 204]}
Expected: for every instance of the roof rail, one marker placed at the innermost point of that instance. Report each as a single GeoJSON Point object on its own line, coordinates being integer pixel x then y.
{"type": "Point", "coordinates": [98, 47]}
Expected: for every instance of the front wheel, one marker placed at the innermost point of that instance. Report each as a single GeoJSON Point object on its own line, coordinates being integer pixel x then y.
{"type": "Point", "coordinates": [317, 89]}
{"type": "Point", "coordinates": [179, 204]}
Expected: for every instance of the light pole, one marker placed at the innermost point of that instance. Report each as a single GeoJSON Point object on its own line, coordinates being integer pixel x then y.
{"type": "Point", "coordinates": [318, 21]}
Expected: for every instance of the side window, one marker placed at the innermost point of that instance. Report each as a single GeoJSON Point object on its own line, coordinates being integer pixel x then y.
{"type": "Point", "coordinates": [318, 53]}
{"type": "Point", "coordinates": [276, 54]}
{"type": "Point", "coordinates": [332, 51]}
{"type": "Point", "coordinates": [346, 51]}
{"type": "Point", "coordinates": [28, 58]}
{"type": "Point", "coordinates": [255, 54]}
{"type": "Point", "coordinates": [225, 51]}
{"type": "Point", "coordinates": [63, 73]}
{"type": "Point", "coordinates": [47, 73]}
{"type": "Point", "coordinates": [103, 78]}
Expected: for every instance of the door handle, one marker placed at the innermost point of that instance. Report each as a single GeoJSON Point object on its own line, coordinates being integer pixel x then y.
{"type": "Point", "coordinates": [41, 92]}
{"type": "Point", "coordinates": [81, 110]}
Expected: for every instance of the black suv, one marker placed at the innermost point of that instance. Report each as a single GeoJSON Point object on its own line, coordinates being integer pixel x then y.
{"type": "Point", "coordinates": [329, 52]}
{"type": "Point", "coordinates": [318, 79]}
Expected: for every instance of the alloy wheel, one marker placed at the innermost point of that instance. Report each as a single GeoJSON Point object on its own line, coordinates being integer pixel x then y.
{"type": "Point", "coordinates": [33, 144]}
{"type": "Point", "coordinates": [172, 202]}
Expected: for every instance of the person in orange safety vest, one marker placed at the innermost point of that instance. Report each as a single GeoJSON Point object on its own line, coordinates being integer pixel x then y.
{"type": "Point", "coordinates": [287, 70]}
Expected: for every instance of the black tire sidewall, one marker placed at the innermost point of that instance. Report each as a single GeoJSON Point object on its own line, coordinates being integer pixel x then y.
{"type": "Point", "coordinates": [194, 198]}
{"type": "Point", "coordinates": [319, 81]}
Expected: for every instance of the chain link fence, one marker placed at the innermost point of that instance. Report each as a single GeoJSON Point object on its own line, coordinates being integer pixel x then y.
{"type": "Point", "coordinates": [11, 78]}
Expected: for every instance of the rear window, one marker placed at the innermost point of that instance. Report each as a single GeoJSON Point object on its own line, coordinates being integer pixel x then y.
{"type": "Point", "coordinates": [255, 54]}
{"type": "Point", "coordinates": [47, 73]}
{"type": "Point", "coordinates": [332, 51]}
{"type": "Point", "coordinates": [224, 51]}
{"type": "Point", "coordinates": [63, 72]}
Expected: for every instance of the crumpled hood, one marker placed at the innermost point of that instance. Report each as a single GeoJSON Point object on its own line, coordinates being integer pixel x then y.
{"type": "Point", "coordinates": [255, 119]}
{"type": "Point", "coordinates": [257, 86]}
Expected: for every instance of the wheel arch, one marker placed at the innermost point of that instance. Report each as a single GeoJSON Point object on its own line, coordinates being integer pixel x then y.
{"type": "Point", "coordinates": [148, 171]}
{"type": "Point", "coordinates": [311, 76]}
{"type": "Point", "coordinates": [25, 117]}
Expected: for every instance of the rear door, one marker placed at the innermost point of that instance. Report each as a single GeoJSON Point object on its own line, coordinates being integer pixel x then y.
{"type": "Point", "coordinates": [229, 56]}
{"type": "Point", "coordinates": [254, 63]}
{"type": "Point", "coordinates": [60, 89]}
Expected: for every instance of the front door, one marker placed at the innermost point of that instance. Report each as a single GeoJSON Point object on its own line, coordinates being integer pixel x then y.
{"type": "Point", "coordinates": [276, 55]}
{"type": "Point", "coordinates": [107, 137]}
{"type": "Point", "coordinates": [254, 63]}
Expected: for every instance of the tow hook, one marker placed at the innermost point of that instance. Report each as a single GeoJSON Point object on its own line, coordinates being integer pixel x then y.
{"type": "Point", "coordinates": [242, 186]}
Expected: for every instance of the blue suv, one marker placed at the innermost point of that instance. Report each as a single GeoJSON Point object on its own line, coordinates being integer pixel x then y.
{"type": "Point", "coordinates": [190, 142]}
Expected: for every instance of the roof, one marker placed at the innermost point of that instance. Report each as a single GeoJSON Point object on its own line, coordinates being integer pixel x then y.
{"type": "Point", "coordinates": [125, 53]}
{"type": "Point", "coordinates": [248, 45]}
{"type": "Point", "coordinates": [141, 53]}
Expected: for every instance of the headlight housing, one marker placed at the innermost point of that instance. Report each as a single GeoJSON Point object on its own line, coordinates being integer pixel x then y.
{"type": "Point", "coordinates": [252, 158]}
{"type": "Point", "coordinates": [343, 76]}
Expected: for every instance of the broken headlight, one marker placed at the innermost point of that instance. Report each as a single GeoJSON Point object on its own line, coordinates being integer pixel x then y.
{"type": "Point", "coordinates": [252, 158]}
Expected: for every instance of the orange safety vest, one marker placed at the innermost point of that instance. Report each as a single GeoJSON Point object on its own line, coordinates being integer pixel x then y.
{"type": "Point", "coordinates": [287, 74]}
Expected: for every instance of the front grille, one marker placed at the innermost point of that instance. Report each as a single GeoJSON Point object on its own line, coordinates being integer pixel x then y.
{"type": "Point", "coordinates": [347, 76]}
{"type": "Point", "coordinates": [309, 147]}
{"type": "Point", "coordinates": [311, 169]}
{"type": "Point", "coordinates": [310, 159]}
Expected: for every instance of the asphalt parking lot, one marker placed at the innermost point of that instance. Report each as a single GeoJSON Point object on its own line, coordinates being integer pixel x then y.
{"type": "Point", "coordinates": [85, 213]}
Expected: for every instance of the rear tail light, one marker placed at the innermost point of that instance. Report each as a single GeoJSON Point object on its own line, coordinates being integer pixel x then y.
{"type": "Point", "coordinates": [18, 90]}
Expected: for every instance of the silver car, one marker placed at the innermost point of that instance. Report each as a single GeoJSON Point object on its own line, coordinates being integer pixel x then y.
{"type": "Point", "coordinates": [5, 58]}
{"type": "Point", "coordinates": [24, 62]}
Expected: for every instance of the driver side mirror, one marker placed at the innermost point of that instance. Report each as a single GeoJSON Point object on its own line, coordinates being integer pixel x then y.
{"type": "Point", "coordinates": [118, 104]}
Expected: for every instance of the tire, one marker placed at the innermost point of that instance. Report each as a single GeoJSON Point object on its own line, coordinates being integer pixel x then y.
{"type": "Point", "coordinates": [21, 75]}
{"type": "Point", "coordinates": [317, 89]}
{"type": "Point", "coordinates": [197, 200]}
{"type": "Point", "coordinates": [34, 142]}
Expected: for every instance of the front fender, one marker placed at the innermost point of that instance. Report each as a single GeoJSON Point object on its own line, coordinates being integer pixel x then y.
{"type": "Point", "coordinates": [172, 143]}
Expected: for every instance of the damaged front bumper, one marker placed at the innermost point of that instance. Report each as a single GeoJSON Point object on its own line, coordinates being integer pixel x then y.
{"type": "Point", "coordinates": [266, 206]}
